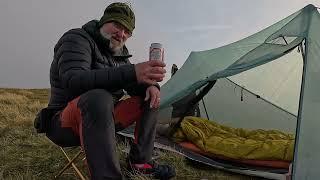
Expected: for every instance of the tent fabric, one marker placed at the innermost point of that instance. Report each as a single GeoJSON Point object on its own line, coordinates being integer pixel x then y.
{"type": "Point", "coordinates": [235, 106]}
{"type": "Point", "coordinates": [226, 61]}
{"type": "Point", "coordinates": [236, 143]}
{"type": "Point", "coordinates": [299, 29]}
{"type": "Point", "coordinates": [282, 91]}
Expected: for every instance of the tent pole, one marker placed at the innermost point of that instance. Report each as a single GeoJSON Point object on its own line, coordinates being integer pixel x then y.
{"type": "Point", "coordinates": [302, 48]}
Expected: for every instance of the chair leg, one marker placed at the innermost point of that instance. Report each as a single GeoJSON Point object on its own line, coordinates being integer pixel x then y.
{"type": "Point", "coordinates": [70, 163]}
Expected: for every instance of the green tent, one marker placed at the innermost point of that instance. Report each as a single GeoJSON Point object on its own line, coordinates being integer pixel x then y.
{"type": "Point", "coordinates": [267, 80]}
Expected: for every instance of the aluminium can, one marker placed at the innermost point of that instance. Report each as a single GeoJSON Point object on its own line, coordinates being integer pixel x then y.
{"type": "Point", "coordinates": [156, 52]}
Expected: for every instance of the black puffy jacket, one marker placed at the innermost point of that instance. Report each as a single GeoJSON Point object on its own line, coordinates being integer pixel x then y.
{"type": "Point", "coordinates": [82, 61]}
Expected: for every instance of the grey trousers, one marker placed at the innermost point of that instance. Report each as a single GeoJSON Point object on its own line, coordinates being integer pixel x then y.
{"type": "Point", "coordinates": [89, 120]}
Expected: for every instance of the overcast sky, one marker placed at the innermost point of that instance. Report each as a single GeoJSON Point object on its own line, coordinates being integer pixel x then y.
{"type": "Point", "coordinates": [30, 29]}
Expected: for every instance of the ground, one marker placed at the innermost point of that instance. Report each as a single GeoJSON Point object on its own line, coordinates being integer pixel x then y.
{"type": "Point", "coordinates": [24, 154]}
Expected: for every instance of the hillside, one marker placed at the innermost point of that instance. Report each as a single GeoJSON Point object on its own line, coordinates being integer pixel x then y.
{"type": "Point", "coordinates": [28, 155]}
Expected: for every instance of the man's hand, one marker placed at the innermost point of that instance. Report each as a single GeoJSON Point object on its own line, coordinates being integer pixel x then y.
{"type": "Point", "coordinates": [153, 93]}
{"type": "Point", "coordinates": [150, 72]}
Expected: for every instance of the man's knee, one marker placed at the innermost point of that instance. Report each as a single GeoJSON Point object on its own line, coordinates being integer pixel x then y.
{"type": "Point", "coordinates": [97, 101]}
{"type": "Point", "coordinates": [151, 109]}
{"type": "Point", "coordinates": [96, 97]}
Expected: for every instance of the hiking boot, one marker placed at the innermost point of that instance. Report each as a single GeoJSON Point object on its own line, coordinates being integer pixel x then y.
{"type": "Point", "coordinates": [157, 171]}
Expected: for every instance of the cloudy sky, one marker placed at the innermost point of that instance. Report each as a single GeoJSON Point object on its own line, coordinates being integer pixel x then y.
{"type": "Point", "coordinates": [30, 29]}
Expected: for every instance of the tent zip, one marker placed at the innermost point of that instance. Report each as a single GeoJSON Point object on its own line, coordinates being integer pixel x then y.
{"type": "Point", "coordinates": [205, 108]}
{"type": "Point", "coordinates": [284, 39]}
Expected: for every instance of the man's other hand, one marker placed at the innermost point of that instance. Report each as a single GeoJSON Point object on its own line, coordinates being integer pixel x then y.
{"type": "Point", "coordinates": [153, 94]}
{"type": "Point", "coordinates": [150, 72]}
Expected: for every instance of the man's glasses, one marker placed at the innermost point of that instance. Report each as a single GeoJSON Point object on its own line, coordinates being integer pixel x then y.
{"type": "Point", "coordinates": [120, 27]}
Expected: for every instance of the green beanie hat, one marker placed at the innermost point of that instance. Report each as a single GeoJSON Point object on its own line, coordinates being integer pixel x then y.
{"type": "Point", "coordinates": [121, 13]}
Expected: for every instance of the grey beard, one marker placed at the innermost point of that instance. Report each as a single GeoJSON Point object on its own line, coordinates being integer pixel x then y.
{"type": "Point", "coordinates": [117, 50]}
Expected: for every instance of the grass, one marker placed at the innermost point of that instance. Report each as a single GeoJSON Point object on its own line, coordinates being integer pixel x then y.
{"type": "Point", "coordinates": [24, 154]}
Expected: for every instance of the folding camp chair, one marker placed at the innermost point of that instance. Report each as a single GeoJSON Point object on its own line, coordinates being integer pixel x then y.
{"type": "Point", "coordinates": [72, 162]}
{"type": "Point", "coordinates": [40, 124]}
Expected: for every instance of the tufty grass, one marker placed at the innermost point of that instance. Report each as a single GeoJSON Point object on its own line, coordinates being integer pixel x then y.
{"type": "Point", "coordinates": [24, 154]}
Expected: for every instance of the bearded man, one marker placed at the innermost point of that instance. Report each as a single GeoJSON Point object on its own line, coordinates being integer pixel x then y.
{"type": "Point", "coordinates": [89, 75]}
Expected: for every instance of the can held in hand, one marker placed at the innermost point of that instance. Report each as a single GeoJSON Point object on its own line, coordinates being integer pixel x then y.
{"type": "Point", "coordinates": [156, 52]}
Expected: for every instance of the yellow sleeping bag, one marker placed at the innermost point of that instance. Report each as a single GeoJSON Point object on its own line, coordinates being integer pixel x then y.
{"type": "Point", "coordinates": [236, 143]}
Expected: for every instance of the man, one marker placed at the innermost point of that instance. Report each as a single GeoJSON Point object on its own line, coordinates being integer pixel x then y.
{"type": "Point", "coordinates": [88, 76]}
